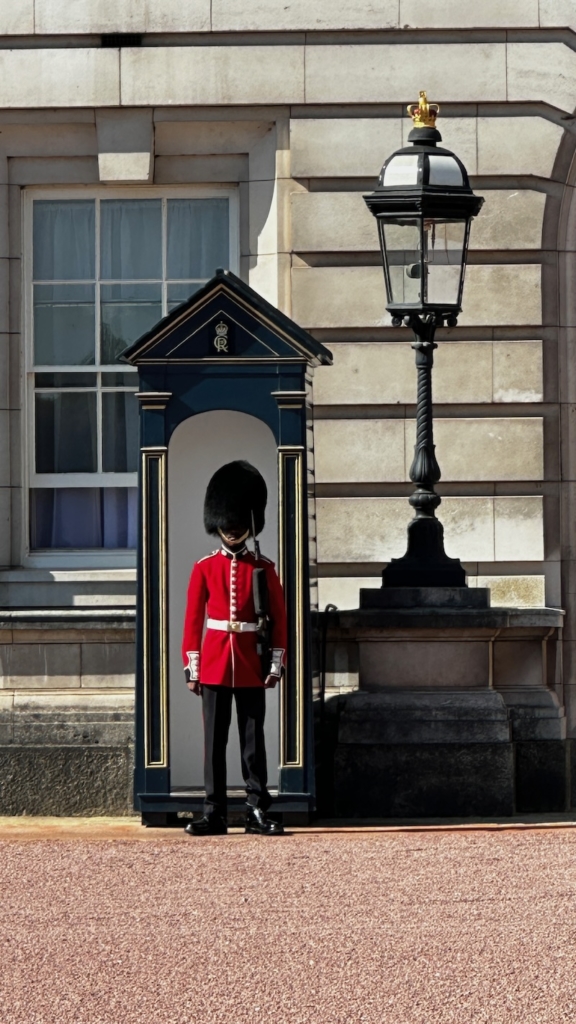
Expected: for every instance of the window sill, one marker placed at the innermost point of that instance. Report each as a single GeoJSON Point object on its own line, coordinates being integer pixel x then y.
{"type": "Point", "coordinates": [37, 575]}
{"type": "Point", "coordinates": [105, 561]}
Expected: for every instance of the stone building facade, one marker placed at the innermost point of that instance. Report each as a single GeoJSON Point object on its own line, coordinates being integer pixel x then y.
{"type": "Point", "coordinates": [284, 112]}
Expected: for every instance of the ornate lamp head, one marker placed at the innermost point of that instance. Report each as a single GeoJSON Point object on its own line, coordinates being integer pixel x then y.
{"type": "Point", "coordinates": [424, 205]}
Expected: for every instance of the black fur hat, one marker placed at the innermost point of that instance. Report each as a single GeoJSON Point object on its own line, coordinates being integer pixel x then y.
{"type": "Point", "coordinates": [235, 492]}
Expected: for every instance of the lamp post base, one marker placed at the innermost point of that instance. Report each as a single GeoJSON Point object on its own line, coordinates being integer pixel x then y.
{"type": "Point", "coordinates": [425, 563]}
{"type": "Point", "coordinates": [430, 598]}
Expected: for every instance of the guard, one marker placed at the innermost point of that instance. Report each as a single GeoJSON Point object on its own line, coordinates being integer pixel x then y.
{"type": "Point", "coordinates": [244, 648]}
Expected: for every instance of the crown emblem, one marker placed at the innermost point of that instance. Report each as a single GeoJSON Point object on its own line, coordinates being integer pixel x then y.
{"type": "Point", "coordinates": [221, 339]}
{"type": "Point", "coordinates": [423, 114]}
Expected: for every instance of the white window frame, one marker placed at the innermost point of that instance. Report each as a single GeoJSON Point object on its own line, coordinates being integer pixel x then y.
{"type": "Point", "coordinates": [86, 558]}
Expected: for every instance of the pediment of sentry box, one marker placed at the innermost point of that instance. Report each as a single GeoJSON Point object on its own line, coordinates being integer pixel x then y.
{"type": "Point", "coordinates": [226, 320]}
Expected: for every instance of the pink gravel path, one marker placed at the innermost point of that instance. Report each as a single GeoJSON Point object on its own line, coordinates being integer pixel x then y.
{"type": "Point", "coordinates": [350, 928]}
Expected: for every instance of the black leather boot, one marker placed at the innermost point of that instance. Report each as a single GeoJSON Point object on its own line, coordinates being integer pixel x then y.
{"type": "Point", "coordinates": [259, 824]}
{"type": "Point", "coordinates": [209, 825]}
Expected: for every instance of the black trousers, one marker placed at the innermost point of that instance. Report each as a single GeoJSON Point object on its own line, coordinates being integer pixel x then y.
{"type": "Point", "coordinates": [217, 714]}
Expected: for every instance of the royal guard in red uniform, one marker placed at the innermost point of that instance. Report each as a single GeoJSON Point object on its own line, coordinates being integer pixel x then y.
{"type": "Point", "coordinates": [242, 654]}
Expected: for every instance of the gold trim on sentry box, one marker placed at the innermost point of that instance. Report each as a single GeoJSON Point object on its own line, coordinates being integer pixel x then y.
{"type": "Point", "coordinates": [289, 399]}
{"type": "Point", "coordinates": [296, 453]}
{"type": "Point", "coordinates": [158, 454]}
{"type": "Point", "coordinates": [156, 400]}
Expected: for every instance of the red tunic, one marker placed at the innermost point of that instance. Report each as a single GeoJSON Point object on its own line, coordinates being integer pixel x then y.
{"type": "Point", "coordinates": [221, 587]}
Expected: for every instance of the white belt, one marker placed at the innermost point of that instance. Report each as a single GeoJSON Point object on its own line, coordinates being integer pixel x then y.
{"type": "Point", "coordinates": [232, 627]}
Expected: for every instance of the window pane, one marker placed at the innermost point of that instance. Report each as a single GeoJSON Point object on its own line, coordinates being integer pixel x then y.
{"type": "Point", "coordinates": [64, 240]}
{"type": "Point", "coordinates": [66, 432]}
{"type": "Point", "coordinates": [119, 516]}
{"type": "Point", "coordinates": [127, 311]}
{"type": "Point", "coordinates": [178, 293]}
{"type": "Point", "coordinates": [120, 380]}
{"type": "Point", "coordinates": [65, 380]}
{"type": "Point", "coordinates": [119, 432]}
{"type": "Point", "coordinates": [83, 517]}
{"type": "Point", "coordinates": [87, 421]}
{"type": "Point", "coordinates": [64, 324]}
{"type": "Point", "coordinates": [198, 237]}
{"type": "Point", "coordinates": [130, 239]}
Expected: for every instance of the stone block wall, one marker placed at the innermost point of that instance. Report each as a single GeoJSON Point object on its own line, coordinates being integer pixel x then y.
{"type": "Point", "coordinates": [66, 712]}
{"type": "Point", "coordinates": [296, 106]}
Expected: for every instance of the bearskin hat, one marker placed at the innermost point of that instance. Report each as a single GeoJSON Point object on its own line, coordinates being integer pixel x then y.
{"type": "Point", "coordinates": [235, 493]}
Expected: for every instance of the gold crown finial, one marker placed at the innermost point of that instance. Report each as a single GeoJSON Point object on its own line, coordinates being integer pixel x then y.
{"type": "Point", "coordinates": [423, 114]}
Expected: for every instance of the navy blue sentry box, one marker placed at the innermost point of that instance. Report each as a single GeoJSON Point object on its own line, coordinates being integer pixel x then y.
{"type": "Point", "coordinates": [226, 348]}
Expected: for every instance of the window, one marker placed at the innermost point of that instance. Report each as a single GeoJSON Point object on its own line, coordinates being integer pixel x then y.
{"type": "Point", "coordinates": [104, 268]}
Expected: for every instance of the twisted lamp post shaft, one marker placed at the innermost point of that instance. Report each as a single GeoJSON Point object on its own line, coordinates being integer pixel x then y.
{"type": "Point", "coordinates": [424, 471]}
{"type": "Point", "coordinates": [425, 563]}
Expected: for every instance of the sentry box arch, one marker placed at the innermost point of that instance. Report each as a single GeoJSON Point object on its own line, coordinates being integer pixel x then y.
{"type": "Point", "coordinates": [240, 371]}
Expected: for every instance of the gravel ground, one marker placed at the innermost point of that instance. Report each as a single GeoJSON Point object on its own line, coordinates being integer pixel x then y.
{"type": "Point", "coordinates": [351, 927]}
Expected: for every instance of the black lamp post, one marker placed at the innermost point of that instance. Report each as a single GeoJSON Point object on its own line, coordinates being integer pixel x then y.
{"type": "Point", "coordinates": [424, 206]}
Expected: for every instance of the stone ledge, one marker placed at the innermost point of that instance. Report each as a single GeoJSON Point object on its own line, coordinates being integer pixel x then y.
{"type": "Point", "coordinates": [424, 597]}
{"type": "Point", "coordinates": [431, 716]}
{"type": "Point", "coordinates": [67, 625]}
{"type": "Point", "coordinates": [535, 714]}
{"type": "Point", "coordinates": [67, 618]}
{"type": "Point", "coordinates": [442, 649]}
{"type": "Point", "coordinates": [67, 575]}
{"type": "Point", "coordinates": [33, 723]}
{"type": "Point", "coordinates": [377, 622]}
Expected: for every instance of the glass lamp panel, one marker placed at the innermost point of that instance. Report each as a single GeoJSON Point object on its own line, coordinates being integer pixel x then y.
{"type": "Point", "coordinates": [64, 324]}
{"type": "Point", "coordinates": [127, 312]}
{"type": "Point", "coordinates": [403, 255]}
{"type": "Point", "coordinates": [402, 170]}
{"type": "Point", "coordinates": [444, 170]}
{"type": "Point", "coordinates": [66, 432]}
{"type": "Point", "coordinates": [444, 260]}
{"type": "Point", "coordinates": [130, 239]}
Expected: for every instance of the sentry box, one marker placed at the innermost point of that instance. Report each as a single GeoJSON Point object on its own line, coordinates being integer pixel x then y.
{"type": "Point", "coordinates": [224, 376]}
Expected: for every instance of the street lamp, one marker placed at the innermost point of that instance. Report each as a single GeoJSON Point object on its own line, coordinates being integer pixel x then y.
{"type": "Point", "coordinates": [424, 206]}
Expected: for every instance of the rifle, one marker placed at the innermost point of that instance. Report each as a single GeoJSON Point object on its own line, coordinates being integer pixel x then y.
{"type": "Point", "coordinates": [261, 607]}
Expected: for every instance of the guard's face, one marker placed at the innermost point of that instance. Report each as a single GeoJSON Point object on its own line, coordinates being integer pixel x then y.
{"type": "Point", "coordinates": [233, 536]}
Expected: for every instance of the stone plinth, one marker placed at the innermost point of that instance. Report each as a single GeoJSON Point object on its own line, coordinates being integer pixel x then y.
{"type": "Point", "coordinates": [424, 597]}
{"type": "Point", "coordinates": [413, 717]}
{"type": "Point", "coordinates": [457, 712]}
{"type": "Point", "coordinates": [453, 780]}
{"type": "Point", "coordinates": [444, 648]}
